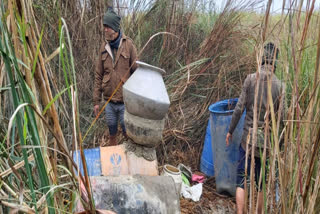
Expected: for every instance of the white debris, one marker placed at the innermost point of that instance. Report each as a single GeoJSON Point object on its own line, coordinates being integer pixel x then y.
{"type": "Point", "coordinates": [193, 192]}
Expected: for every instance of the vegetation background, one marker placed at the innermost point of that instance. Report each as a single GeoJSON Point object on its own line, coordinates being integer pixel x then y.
{"type": "Point", "coordinates": [48, 51]}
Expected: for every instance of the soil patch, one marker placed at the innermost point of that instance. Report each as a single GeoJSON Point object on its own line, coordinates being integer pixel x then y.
{"type": "Point", "coordinates": [210, 202]}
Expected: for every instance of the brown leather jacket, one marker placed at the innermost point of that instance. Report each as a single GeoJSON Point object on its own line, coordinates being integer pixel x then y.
{"type": "Point", "coordinates": [246, 101]}
{"type": "Point", "coordinates": [110, 71]}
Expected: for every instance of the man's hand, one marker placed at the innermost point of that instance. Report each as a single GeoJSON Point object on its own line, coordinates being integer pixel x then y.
{"type": "Point", "coordinates": [229, 137]}
{"type": "Point", "coordinates": [96, 109]}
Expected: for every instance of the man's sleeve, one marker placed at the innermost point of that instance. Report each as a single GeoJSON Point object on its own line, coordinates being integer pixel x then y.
{"type": "Point", "coordinates": [284, 109]}
{"type": "Point", "coordinates": [133, 58]}
{"type": "Point", "coordinates": [282, 114]}
{"type": "Point", "coordinates": [283, 106]}
{"type": "Point", "coordinates": [98, 76]}
{"type": "Point", "coordinates": [237, 113]}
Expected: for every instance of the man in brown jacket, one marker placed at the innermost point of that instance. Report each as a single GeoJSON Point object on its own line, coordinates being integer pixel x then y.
{"type": "Point", "coordinates": [246, 101]}
{"type": "Point", "coordinates": [115, 64]}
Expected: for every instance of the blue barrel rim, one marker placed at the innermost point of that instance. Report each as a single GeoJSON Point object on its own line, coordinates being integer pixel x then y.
{"type": "Point", "coordinates": [213, 107]}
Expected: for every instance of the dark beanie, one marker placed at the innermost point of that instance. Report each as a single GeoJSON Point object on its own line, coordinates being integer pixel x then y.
{"type": "Point", "coordinates": [270, 54]}
{"type": "Point", "coordinates": [112, 20]}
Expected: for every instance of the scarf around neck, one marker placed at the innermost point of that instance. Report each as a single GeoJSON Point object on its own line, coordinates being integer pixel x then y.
{"type": "Point", "coordinates": [115, 43]}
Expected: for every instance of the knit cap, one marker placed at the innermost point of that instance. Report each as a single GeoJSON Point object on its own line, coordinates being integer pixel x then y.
{"type": "Point", "coordinates": [112, 20]}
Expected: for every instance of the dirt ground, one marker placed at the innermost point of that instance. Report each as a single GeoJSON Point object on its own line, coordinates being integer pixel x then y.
{"type": "Point", "coordinates": [210, 202]}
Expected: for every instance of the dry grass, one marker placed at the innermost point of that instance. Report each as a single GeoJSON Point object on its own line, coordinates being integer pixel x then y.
{"type": "Point", "coordinates": [203, 64]}
{"type": "Point", "coordinates": [213, 74]}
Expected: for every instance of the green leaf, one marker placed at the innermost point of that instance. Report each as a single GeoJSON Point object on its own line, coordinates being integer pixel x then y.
{"type": "Point", "coordinates": [37, 53]}
{"type": "Point", "coordinates": [54, 99]}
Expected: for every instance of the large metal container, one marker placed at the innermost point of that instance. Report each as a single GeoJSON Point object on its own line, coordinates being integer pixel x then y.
{"type": "Point", "coordinates": [145, 94]}
{"type": "Point", "coordinates": [143, 131]}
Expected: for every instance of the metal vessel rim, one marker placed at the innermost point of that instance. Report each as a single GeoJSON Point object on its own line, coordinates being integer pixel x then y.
{"type": "Point", "coordinates": [143, 64]}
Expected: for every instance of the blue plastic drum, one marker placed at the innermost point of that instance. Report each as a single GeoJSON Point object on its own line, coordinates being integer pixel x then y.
{"type": "Point", "coordinates": [206, 162]}
{"type": "Point", "coordinates": [225, 158]}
